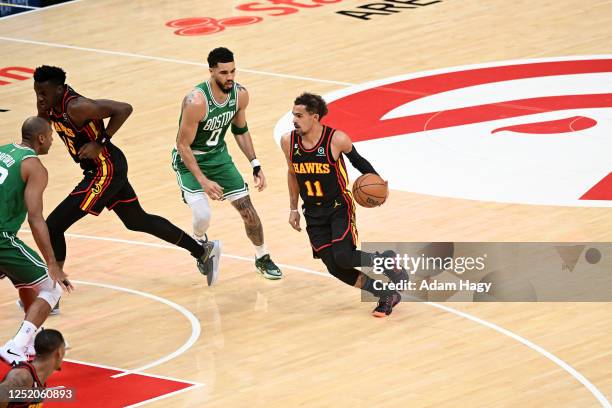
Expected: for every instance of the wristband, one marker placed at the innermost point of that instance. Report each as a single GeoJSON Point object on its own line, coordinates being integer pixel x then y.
{"type": "Point", "coordinates": [103, 138]}
{"type": "Point", "coordinates": [256, 166]}
{"type": "Point", "coordinates": [292, 210]}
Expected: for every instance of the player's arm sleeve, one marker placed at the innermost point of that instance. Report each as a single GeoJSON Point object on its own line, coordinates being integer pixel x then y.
{"type": "Point", "coordinates": [359, 162]}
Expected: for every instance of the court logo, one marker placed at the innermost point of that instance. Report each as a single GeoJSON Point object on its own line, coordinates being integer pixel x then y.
{"type": "Point", "coordinates": [11, 74]}
{"type": "Point", "coordinates": [528, 131]}
{"type": "Point", "coordinates": [275, 8]}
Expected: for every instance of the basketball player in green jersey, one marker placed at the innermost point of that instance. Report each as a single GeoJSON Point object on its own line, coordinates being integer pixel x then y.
{"type": "Point", "coordinates": [203, 165]}
{"type": "Point", "coordinates": [23, 179]}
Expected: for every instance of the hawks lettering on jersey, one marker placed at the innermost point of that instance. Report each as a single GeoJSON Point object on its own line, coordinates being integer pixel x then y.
{"type": "Point", "coordinates": [73, 136]}
{"type": "Point", "coordinates": [321, 178]}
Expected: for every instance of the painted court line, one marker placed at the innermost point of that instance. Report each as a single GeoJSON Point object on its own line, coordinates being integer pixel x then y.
{"type": "Point", "coordinates": [601, 398]}
{"type": "Point", "coordinates": [162, 59]}
{"type": "Point", "coordinates": [195, 325]}
{"type": "Point", "coordinates": [193, 385]}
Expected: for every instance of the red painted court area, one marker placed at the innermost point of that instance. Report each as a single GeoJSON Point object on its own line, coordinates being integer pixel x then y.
{"type": "Point", "coordinates": [94, 386]}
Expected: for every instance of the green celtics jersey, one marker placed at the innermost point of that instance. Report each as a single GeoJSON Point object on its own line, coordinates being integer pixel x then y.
{"type": "Point", "coordinates": [210, 136]}
{"type": "Point", "coordinates": [12, 204]}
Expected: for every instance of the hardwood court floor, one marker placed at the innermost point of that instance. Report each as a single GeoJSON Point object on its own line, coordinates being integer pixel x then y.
{"type": "Point", "coordinates": [306, 340]}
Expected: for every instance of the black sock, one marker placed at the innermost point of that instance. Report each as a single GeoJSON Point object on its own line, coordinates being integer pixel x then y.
{"type": "Point", "coordinates": [195, 249]}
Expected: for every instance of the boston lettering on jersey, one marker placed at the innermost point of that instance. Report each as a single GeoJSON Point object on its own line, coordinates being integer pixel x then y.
{"type": "Point", "coordinates": [210, 135]}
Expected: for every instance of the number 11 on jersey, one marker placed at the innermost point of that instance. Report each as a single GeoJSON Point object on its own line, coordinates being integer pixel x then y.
{"type": "Point", "coordinates": [318, 191]}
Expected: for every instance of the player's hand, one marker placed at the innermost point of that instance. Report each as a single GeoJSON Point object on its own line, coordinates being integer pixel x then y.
{"type": "Point", "coordinates": [57, 274]}
{"type": "Point", "coordinates": [90, 150]}
{"type": "Point", "coordinates": [260, 180]}
{"type": "Point", "coordinates": [294, 220]}
{"type": "Point", "coordinates": [212, 189]}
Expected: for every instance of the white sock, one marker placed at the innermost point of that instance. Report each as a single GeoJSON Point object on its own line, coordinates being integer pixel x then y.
{"type": "Point", "coordinates": [261, 251]}
{"type": "Point", "coordinates": [25, 334]}
{"type": "Point", "coordinates": [31, 342]}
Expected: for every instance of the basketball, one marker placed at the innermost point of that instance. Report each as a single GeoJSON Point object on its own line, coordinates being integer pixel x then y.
{"type": "Point", "coordinates": [370, 190]}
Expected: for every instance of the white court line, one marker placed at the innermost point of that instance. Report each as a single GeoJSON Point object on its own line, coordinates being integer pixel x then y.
{"type": "Point", "coordinates": [38, 9]}
{"type": "Point", "coordinates": [161, 377]}
{"type": "Point", "coordinates": [176, 248]}
{"type": "Point", "coordinates": [193, 385]}
{"type": "Point", "coordinates": [195, 325]}
{"type": "Point", "coordinates": [538, 349]}
{"type": "Point", "coordinates": [173, 60]}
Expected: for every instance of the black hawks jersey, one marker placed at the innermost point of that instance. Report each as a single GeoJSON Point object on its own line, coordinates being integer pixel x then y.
{"type": "Point", "coordinates": [321, 178]}
{"type": "Point", "coordinates": [36, 383]}
{"type": "Point", "coordinates": [74, 137]}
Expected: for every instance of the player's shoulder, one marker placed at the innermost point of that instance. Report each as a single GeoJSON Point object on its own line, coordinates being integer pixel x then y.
{"type": "Point", "coordinates": [241, 89]}
{"type": "Point", "coordinates": [285, 140]}
{"type": "Point", "coordinates": [195, 97]}
{"type": "Point", "coordinates": [18, 377]}
{"type": "Point", "coordinates": [339, 135]}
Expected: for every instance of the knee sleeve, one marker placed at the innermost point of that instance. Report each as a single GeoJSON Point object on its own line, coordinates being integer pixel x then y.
{"type": "Point", "coordinates": [346, 275]}
{"type": "Point", "coordinates": [201, 212]}
{"type": "Point", "coordinates": [344, 259]}
{"type": "Point", "coordinates": [48, 293]}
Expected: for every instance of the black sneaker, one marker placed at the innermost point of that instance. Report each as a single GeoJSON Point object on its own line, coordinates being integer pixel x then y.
{"type": "Point", "coordinates": [395, 274]}
{"type": "Point", "coordinates": [386, 303]}
{"type": "Point", "coordinates": [208, 263]}
{"type": "Point", "coordinates": [268, 268]}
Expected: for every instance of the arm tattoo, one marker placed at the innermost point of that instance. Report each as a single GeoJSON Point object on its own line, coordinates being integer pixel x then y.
{"type": "Point", "coordinates": [252, 224]}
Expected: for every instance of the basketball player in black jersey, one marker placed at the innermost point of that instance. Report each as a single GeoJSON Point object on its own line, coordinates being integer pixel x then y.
{"type": "Point", "coordinates": [50, 349]}
{"type": "Point", "coordinates": [79, 122]}
{"type": "Point", "coordinates": [317, 174]}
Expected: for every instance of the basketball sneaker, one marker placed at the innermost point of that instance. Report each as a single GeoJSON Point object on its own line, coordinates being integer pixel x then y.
{"type": "Point", "coordinates": [208, 263]}
{"type": "Point", "coordinates": [395, 274]}
{"type": "Point", "coordinates": [55, 311]}
{"type": "Point", "coordinates": [12, 354]}
{"type": "Point", "coordinates": [31, 351]}
{"type": "Point", "coordinates": [386, 303]}
{"type": "Point", "coordinates": [268, 268]}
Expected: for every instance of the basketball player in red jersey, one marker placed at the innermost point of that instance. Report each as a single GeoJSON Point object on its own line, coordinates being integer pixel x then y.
{"type": "Point", "coordinates": [317, 174]}
{"type": "Point", "coordinates": [79, 122]}
{"type": "Point", "coordinates": [50, 350]}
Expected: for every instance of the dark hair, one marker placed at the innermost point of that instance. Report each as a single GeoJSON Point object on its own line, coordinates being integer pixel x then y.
{"type": "Point", "coordinates": [313, 103]}
{"type": "Point", "coordinates": [45, 73]}
{"type": "Point", "coordinates": [219, 55]}
{"type": "Point", "coordinates": [47, 341]}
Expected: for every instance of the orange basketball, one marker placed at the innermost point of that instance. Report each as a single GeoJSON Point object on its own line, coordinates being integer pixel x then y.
{"type": "Point", "coordinates": [369, 190]}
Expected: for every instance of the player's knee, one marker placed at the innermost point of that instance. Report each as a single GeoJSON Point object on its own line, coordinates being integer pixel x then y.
{"type": "Point", "coordinates": [200, 211]}
{"type": "Point", "coordinates": [50, 293]}
{"type": "Point", "coordinates": [348, 276]}
{"type": "Point", "coordinates": [343, 259]}
{"type": "Point", "coordinates": [133, 224]}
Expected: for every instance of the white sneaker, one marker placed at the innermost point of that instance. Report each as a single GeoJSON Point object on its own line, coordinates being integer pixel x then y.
{"type": "Point", "coordinates": [31, 351]}
{"type": "Point", "coordinates": [12, 354]}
